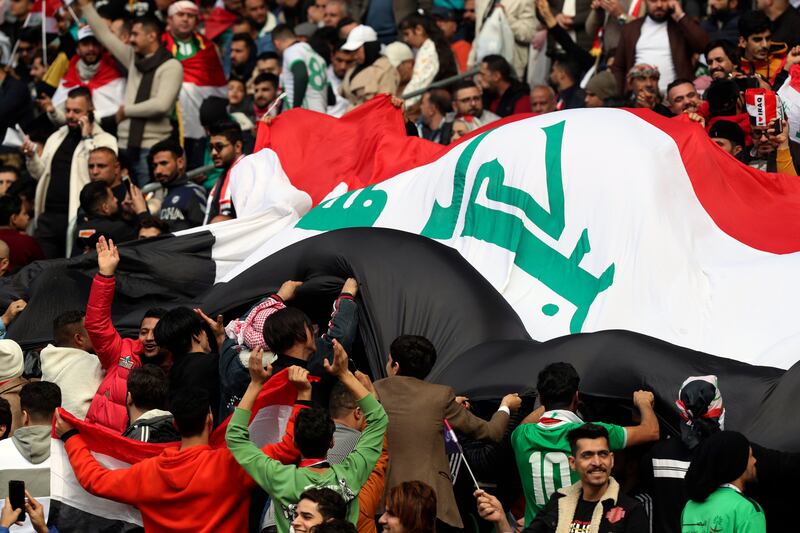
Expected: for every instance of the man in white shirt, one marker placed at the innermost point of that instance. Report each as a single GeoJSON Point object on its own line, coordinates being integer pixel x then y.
{"type": "Point", "coordinates": [666, 38]}
{"type": "Point", "coordinates": [303, 76]}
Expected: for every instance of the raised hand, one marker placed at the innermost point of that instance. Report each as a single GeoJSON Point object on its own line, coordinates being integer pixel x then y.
{"type": "Point", "coordinates": [14, 309]}
{"type": "Point", "coordinates": [350, 286]}
{"type": "Point", "coordinates": [107, 256]}
{"type": "Point", "coordinates": [298, 376]}
{"type": "Point", "coordinates": [258, 373]}
{"type": "Point", "coordinates": [217, 327]}
{"type": "Point", "coordinates": [339, 367]}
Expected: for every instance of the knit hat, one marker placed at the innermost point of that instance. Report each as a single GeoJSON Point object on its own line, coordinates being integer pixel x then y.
{"type": "Point", "coordinates": [603, 85]}
{"type": "Point", "coordinates": [719, 459]}
{"type": "Point", "coordinates": [397, 52]}
{"type": "Point", "coordinates": [725, 129]}
{"type": "Point", "coordinates": [12, 363]}
{"type": "Point", "coordinates": [700, 407]}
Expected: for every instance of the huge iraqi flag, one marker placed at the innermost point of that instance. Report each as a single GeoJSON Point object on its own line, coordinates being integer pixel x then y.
{"type": "Point", "coordinates": [584, 220]}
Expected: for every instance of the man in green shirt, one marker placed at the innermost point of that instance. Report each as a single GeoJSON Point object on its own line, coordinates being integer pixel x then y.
{"type": "Point", "coordinates": [540, 443]}
{"type": "Point", "coordinates": [721, 466]}
{"type": "Point", "coordinates": [313, 437]}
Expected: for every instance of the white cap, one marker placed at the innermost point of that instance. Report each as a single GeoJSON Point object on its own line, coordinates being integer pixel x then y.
{"type": "Point", "coordinates": [182, 6]}
{"type": "Point", "coordinates": [398, 52]}
{"type": "Point", "coordinates": [358, 36]}
{"type": "Point", "coordinates": [85, 32]}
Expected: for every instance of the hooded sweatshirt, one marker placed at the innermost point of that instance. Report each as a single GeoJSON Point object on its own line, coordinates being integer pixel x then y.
{"type": "Point", "coordinates": [76, 372]}
{"type": "Point", "coordinates": [199, 489]}
{"type": "Point", "coordinates": [26, 457]}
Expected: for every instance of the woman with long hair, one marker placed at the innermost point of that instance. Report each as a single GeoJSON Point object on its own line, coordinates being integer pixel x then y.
{"type": "Point", "coordinates": [410, 508]}
{"type": "Point", "coordinates": [434, 60]}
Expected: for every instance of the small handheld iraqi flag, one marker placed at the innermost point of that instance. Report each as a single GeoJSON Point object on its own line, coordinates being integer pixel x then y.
{"type": "Point", "coordinates": [455, 454]}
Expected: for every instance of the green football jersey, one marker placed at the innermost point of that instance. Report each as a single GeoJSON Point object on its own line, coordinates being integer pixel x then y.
{"type": "Point", "coordinates": [542, 454]}
{"type": "Point", "coordinates": [725, 511]}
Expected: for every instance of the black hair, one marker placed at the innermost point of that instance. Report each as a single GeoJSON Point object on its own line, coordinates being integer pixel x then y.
{"type": "Point", "coordinates": [79, 92]}
{"type": "Point", "coordinates": [283, 31]}
{"type": "Point", "coordinates": [30, 34]}
{"type": "Point", "coordinates": [150, 24]}
{"type": "Point", "coordinates": [752, 22]}
{"type": "Point", "coordinates": [730, 49]}
{"type": "Point", "coordinates": [155, 312]}
{"type": "Point", "coordinates": [105, 150]}
{"type": "Point", "coordinates": [92, 197]}
{"type": "Point", "coordinates": [167, 145]}
{"type": "Point", "coordinates": [237, 79]}
{"type": "Point", "coordinates": [190, 407]}
{"type": "Point", "coordinates": [441, 100]}
{"type": "Point", "coordinates": [176, 328]}
{"type": "Point", "coordinates": [330, 504]}
{"type": "Point", "coordinates": [213, 109]}
{"type": "Point", "coordinates": [40, 400]}
{"type": "Point", "coordinates": [9, 206]}
{"type": "Point", "coordinates": [345, 21]}
{"type": "Point", "coordinates": [268, 55]}
{"type": "Point", "coordinates": [498, 63]}
{"type": "Point", "coordinates": [676, 82]}
{"type": "Point", "coordinates": [415, 354]}
{"type": "Point", "coordinates": [66, 325]}
{"type": "Point", "coordinates": [586, 431]}
{"type": "Point", "coordinates": [23, 187]}
{"type": "Point", "coordinates": [284, 328]}
{"type": "Point", "coordinates": [447, 61]}
{"type": "Point", "coordinates": [154, 222]}
{"type": "Point", "coordinates": [568, 65]}
{"type": "Point", "coordinates": [229, 129]}
{"type": "Point", "coordinates": [722, 97]}
{"type": "Point", "coordinates": [267, 77]}
{"type": "Point", "coordinates": [341, 401]}
{"type": "Point", "coordinates": [335, 526]}
{"type": "Point", "coordinates": [463, 84]}
{"type": "Point", "coordinates": [557, 384]}
{"type": "Point", "coordinates": [5, 169]}
{"type": "Point", "coordinates": [313, 431]}
{"type": "Point", "coordinates": [248, 41]}
{"type": "Point", "coordinates": [6, 419]}
{"type": "Point", "coordinates": [148, 385]}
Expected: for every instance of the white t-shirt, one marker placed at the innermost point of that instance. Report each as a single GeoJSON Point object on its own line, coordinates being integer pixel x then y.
{"type": "Point", "coordinates": [653, 48]}
{"type": "Point", "coordinates": [316, 98]}
{"type": "Point", "coordinates": [340, 107]}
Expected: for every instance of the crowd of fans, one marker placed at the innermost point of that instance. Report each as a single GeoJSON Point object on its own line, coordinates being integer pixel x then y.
{"type": "Point", "coordinates": [122, 120]}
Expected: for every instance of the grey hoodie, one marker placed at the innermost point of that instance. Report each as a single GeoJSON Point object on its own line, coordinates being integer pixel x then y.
{"type": "Point", "coordinates": [33, 443]}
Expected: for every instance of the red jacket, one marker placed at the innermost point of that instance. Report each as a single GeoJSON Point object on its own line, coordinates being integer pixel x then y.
{"type": "Point", "coordinates": [200, 489]}
{"type": "Point", "coordinates": [117, 357]}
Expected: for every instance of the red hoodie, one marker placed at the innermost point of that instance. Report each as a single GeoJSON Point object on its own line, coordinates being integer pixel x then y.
{"type": "Point", "coordinates": [199, 489]}
{"type": "Point", "coordinates": [117, 356]}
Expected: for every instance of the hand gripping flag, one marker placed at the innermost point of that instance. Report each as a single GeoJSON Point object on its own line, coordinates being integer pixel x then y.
{"type": "Point", "coordinates": [74, 509]}
{"type": "Point", "coordinates": [455, 454]}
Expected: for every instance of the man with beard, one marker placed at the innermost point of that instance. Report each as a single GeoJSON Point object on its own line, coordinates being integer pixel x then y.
{"type": "Point", "coordinates": [101, 215]}
{"type": "Point", "coordinates": [592, 459]}
{"type": "Point", "coordinates": [202, 75]}
{"type": "Point", "coordinates": [184, 205]}
{"type": "Point", "coordinates": [226, 151]}
{"type": "Point", "coordinates": [154, 81]}
{"type": "Point", "coordinates": [341, 62]}
{"type": "Point", "coordinates": [264, 21]}
{"type": "Point", "coordinates": [641, 89]}
{"type": "Point", "coordinates": [62, 171]}
{"type": "Point", "coordinates": [723, 22]}
{"type": "Point", "coordinates": [118, 356]}
{"type": "Point", "coordinates": [468, 100]}
{"type": "Point", "coordinates": [265, 90]}
{"type": "Point", "coordinates": [541, 442]}
{"type": "Point", "coordinates": [665, 38]}
{"type": "Point", "coordinates": [94, 68]}
{"type": "Point", "coordinates": [682, 97]}
{"type": "Point", "coordinates": [503, 94]}
{"type": "Point", "coordinates": [722, 58]}
{"type": "Point", "coordinates": [770, 150]}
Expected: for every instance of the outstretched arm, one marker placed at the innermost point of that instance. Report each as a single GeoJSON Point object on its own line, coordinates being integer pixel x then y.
{"type": "Point", "coordinates": [647, 430]}
{"type": "Point", "coordinates": [105, 338]}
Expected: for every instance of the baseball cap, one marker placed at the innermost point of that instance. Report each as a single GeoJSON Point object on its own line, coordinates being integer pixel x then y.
{"type": "Point", "coordinates": [183, 6]}
{"type": "Point", "coordinates": [358, 36]}
{"type": "Point", "coordinates": [85, 33]}
{"type": "Point", "coordinates": [725, 129]}
{"type": "Point", "coordinates": [442, 13]}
